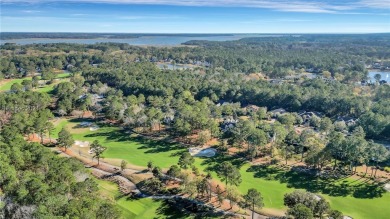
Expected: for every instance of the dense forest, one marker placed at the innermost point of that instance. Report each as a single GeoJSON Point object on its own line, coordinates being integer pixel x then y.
{"type": "Point", "coordinates": [35, 182]}
{"type": "Point", "coordinates": [247, 94]}
{"type": "Point", "coordinates": [339, 61]}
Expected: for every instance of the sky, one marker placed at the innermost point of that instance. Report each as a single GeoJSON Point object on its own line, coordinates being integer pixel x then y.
{"type": "Point", "coordinates": [196, 16]}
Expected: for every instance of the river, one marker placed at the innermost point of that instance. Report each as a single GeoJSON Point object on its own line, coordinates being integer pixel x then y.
{"type": "Point", "coordinates": [173, 40]}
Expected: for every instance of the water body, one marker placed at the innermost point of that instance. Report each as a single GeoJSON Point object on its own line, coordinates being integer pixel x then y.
{"type": "Point", "coordinates": [384, 75]}
{"type": "Point", "coordinates": [140, 41]}
{"type": "Point", "coordinates": [172, 67]}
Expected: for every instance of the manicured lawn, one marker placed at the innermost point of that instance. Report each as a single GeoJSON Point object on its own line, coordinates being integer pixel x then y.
{"type": "Point", "coordinates": [124, 146]}
{"type": "Point", "coordinates": [46, 89]}
{"type": "Point", "coordinates": [353, 197]}
{"type": "Point", "coordinates": [7, 86]}
{"type": "Point", "coordinates": [58, 125]}
{"type": "Point", "coordinates": [131, 208]}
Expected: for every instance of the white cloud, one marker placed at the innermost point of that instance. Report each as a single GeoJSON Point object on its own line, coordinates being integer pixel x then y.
{"type": "Point", "coordinates": [147, 17]}
{"type": "Point", "coordinates": [284, 20]}
{"type": "Point", "coordinates": [79, 14]}
{"type": "Point", "coordinates": [376, 3]}
{"type": "Point", "coordinates": [308, 6]}
{"type": "Point", "coordinates": [30, 11]}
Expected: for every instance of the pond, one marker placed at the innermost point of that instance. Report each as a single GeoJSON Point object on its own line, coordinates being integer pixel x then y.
{"type": "Point", "coordinates": [384, 75]}
{"type": "Point", "coordinates": [173, 67]}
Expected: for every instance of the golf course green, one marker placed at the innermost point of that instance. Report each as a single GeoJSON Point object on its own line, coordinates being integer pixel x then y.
{"type": "Point", "coordinates": [46, 89]}
{"type": "Point", "coordinates": [353, 196]}
{"type": "Point", "coordinates": [130, 208]}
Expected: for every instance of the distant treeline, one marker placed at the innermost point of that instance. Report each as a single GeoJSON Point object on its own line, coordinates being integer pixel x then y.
{"type": "Point", "coordinates": [24, 35]}
{"type": "Point", "coordinates": [304, 40]}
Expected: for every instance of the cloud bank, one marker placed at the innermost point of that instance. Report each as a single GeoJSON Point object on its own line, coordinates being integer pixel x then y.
{"type": "Point", "coordinates": [306, 6]}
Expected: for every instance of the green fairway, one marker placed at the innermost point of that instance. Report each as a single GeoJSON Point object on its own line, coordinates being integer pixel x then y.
{"type": "Point", "coordinates": [351, 196]}
{"type": "Point", "coordinates": [120, 145]}
{"type": "Point", "coordinates": [354, 197]}
{"type": "Point", "coordinates": [46, 89]}
{"type": "Point", "coordinates": [7, 85]}
{"type": "Point", "coordinates": [131, 208]}
{"type": "Point", "coordinates": [59, 123]}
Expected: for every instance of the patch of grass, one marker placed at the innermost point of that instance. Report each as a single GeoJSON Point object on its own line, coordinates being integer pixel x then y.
{"type": "Point", "coordinates": [58, 125]}
{"type": "Point", "coordinates": [356, 198]}
{"type": "Point", "coordinates": [131, 208]}
{"type": "Point", "coordinates": [46, 89]}
{"type": "Point", "coordinates": [121, 145]}
{"type": "Point", "coordinates": [7, 85]}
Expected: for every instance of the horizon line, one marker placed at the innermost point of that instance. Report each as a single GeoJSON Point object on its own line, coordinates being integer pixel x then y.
{"type": "Point", "coordinates": [195, 32]}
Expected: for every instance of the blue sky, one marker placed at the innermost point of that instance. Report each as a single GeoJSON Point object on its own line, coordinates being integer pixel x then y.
{"type": "Point", "coordinates": [196, 16]}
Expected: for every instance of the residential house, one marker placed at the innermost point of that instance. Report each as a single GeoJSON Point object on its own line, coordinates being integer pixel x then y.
{"type": "Point", "coordinates": [275, 113]}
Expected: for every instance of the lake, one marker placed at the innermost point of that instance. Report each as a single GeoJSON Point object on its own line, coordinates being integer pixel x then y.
{"type": "Point", "coordinates": [172, 67]}
{"type": "Point", "coordinates": [385, 75]}
{"type": "Point", "coordinates": [140, 41]}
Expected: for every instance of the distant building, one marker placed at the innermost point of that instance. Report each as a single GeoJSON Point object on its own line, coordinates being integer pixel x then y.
{"type": "Point", "coordinates": [251, 108]}
{"type": "Point", "coordinates": [306, 116]}
{"type": "Point", "coordinates": [275, 113]}
{"type": "Point", "coordinates": [228, 124]}
{"type": "Point", "coordinates": [276, 81]}
{"type": "Point", "coordinates": [168, 119]}
{"type": "Point", "coordinates": [349, 121]}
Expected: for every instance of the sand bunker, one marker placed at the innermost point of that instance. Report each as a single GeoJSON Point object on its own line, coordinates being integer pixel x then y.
{"type": "Point", "coordinates": [316, 197]}
{"type": "Point", "coordinates": [197, 152]}
{"type": "Point", "coordinates": [387, 187]}
{"type": "Point", "coordinates": [81, 143]}
{"type": "Point", "coordinates": [94, 128]}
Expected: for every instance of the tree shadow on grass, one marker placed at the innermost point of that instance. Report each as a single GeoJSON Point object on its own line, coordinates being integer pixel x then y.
{"type": "Point", "coordinates": [181, 208]}
{"type": "Point", "coordinates": [213, 162]}
{"type": "Point", "coordinates": [152, 146]}
{"type": "Point", "coordinates": [314, 184]}
{"type": "Point", "coordinates": [91, 120]}
{"type": "Point", "coordinates": [167, 209]}
{"type": "Point", "coordinates": [78, 120]}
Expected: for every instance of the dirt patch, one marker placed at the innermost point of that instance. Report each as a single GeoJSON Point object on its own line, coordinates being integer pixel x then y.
{"type": "Point", "coordinates": [273, 212]}
{"type": "Point", "coordinates": [81, 143]}
{"type": "Point", "coordinates": [213, 142]}
{"type": "Point", "coordinates": [4, 81]}
{"type": "Point", "coordinates": [87, 114]}
{"type": "Point", "coordinates": [37, 138]}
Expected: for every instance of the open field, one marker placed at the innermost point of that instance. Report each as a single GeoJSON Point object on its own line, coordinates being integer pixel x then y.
{"type": "Point", "coordinates": [124, 146]}
{"type": "Point", "coordinates": [6, 85]}
{"type": "Point", "coordinates": [143, 208]}
{"type": "Point", "coordinates": [354, 197]}
{"type": "Point", "coordinates": [131, 208]}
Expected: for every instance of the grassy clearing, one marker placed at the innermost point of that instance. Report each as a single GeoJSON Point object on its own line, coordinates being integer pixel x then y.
{"type": "Point", "coordinates": [7, 85]}
{"type": "Point", "coordinates": [131, 208]}
{"type": "Point", "coordinates": [354, 197]}
{"type": "Point", "coordinates": [58, 125]}
{"type": "Point", "coordinates": [120, 145]}
{"type": "Point", "coordinates": [46, 89]}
